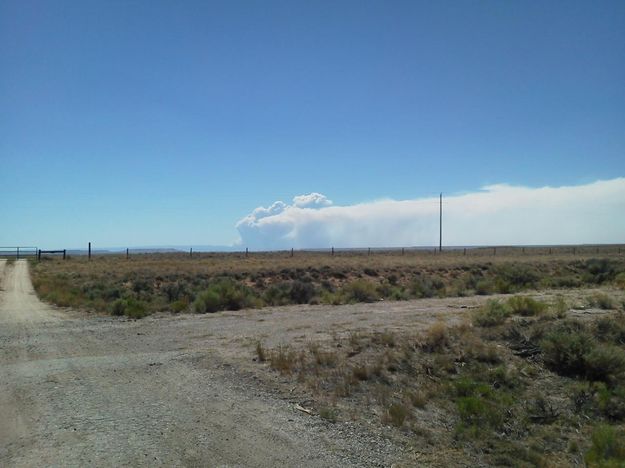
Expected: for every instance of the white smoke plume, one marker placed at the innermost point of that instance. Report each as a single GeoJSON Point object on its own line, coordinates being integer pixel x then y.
{"type": "Point", "coordinates": [496, 215]}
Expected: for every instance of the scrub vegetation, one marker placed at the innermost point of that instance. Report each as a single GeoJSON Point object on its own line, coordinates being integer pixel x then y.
{"type": "Point", "coordinates": [205, 283]}
{"type": "Point", "coordinates": [529, 387]}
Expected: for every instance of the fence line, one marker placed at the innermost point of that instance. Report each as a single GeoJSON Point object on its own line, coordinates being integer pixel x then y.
{"type": "Point", "coordinates": [478, 251]}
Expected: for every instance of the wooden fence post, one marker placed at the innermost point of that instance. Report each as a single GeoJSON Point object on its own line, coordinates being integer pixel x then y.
{"type": "Point", "coordinates": [333, 251]}
{"type": "Point", "coordinates": [246, 252]}
{"type": "Point", "coordinates": [17, 253]}
{"type": "Point", "coordinates": [465, 252]}
{"type": "Point", "coordinates": [291, 251]}
{"type": "Point", "coordinates": [191, 252]}
{"type": "Point", "coordinates": [64, 252]}
{"type": "Point", "coordinates": [39, 255]}
{"type": "Point", "coordinates": [402, 251]}
{"type": "Point", "coordinates": [89, 254]}
{"type": "Point", "coordinates": [369, 251]}
{"type": "Point", "coordinates": [127, 253]}
{"type": "Point", "coordinates": [494, 250]}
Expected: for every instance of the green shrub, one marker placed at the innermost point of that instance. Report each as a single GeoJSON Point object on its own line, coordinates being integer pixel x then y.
{"type": "Point", "coordinates": [484, 287]}
{"type": "Point", "coordinates": [610, 329]}
{"type": "Point", "coordinates": [570, 349]}
{"type": "Point", "coordinates": [526, 306]}
{"type": "Point", "coordinates": [331, 298]}
{"type": "Point", "coordinates": [130, 307]}
{"type": "Point", "coordinates": [392, 291]}
{"type": "Point", "coordinates": [605, 363]}
{"type": "Point", "coordinates": [492, 314]}
{"type": "Point", "coordinates": [301, 292]}
{"type": "Point", "coordinates": [224, 294]}
{"type": "Point", "coordinates": [565, 348]}
{"type": "Point", "coordinates": [620, 280]}
{"type": "Point", "coordinates": [518, 276]}
{"type": "Point", "coordinates": [477, 412]}
{"type": "Point", "coordinates": [481, 400]}
{"type": "Point", "coordinates": [293, 292]}
{"type": "Point", "coordinates": [180, 305]}
{"type": "Point", "coordinates": [562, 281]}
{"type": "Point", "coordinates": [466, 386]}
{"type": "Point", "coordinates": [421, 287]}
{"type": "Point", "coordinates": [360, 291]}
{"type": "Point", "coordinates": [607, 449]}
{"type": "Point", "coordinates": [207, 301]}
{"type": "Point", "coordinates": [277, 294]}
{"type": "Point", "coordinates": [599, 271]}
{"type": "Point", "coordinates": [610, 401]}
{"type": "Point", "coordinates": [503, 286]}
{"type": "Point", "coordinates": [174, 291]}
{"type": "Point", "coordinates": [118, 307]}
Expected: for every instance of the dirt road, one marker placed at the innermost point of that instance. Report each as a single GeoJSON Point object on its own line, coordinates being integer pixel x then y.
{"type": "Point", "coordinates": [78, 391]}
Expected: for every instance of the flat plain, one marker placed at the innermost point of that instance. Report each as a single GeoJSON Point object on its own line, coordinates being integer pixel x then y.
{"type": "Point", "coordinates": [404, 360]}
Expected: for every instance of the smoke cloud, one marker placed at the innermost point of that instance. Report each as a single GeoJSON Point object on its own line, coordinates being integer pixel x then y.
{"type": "Point", "coordinates": [495, 215]}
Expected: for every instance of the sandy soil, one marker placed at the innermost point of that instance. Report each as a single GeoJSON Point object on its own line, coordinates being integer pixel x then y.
{"type": "Point", "coordinates": [79, 389]}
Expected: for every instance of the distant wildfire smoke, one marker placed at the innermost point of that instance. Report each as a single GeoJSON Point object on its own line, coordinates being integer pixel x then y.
{"type": "Point", "coordinates": [496, 215]}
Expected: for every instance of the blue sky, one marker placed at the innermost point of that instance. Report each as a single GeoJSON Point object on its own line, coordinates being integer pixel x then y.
{"type": "Point", "coordinates": [151, 123]}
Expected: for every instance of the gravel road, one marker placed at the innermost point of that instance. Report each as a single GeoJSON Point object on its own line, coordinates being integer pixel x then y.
{"type": "Point", "coordinates": [80, 390]}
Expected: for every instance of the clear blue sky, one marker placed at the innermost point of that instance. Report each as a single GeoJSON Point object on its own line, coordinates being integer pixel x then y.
{"type": "Point", "coordinates": [163, 122]}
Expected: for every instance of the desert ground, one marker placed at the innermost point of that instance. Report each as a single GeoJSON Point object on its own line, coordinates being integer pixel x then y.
{"type": "Point", "coordinates": [186, 389]}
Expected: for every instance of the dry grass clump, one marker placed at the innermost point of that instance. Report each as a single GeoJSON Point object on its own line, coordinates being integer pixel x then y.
{"type": "Point", "coordinates": [260, 352]}
{"type": "Point", "coordinates": [526, 306]}
{"type": "Point", "coordinates": [436, 338]}
{"type": "Point", "coordinates": [560, 307]}
{"type": "Point", "coordinates": [520, 392]}
{"type": "Point", "coordinates": [283, 359]}
{"type": "Point", "coordinates": [602, 301]}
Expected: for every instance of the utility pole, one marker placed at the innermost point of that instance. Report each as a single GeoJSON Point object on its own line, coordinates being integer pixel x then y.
{"type": "Point", "coordinates": [440, 223]}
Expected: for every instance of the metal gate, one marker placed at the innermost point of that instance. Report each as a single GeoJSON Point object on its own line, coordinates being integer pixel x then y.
{"type": "Point", "coordinates": [18, 252]}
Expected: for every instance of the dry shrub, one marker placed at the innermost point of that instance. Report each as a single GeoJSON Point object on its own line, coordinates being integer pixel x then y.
{"type": "Point", "coordinates": [418, 398]}
{"type": "Point", "coordinates": [361, 372]}
{"type": "Point", "coordinates": [473, 348]}
{"type": "Point", "coordinates": [386, 338]}
{"type": "Point", "coordinates": [322, 357]}
{"type": "Point", "coordinates": [396, 414]}
{"type": "Point", "coordinates": [260, 352]}
{"type": "Point", "coordinates": [436, 338]}
{"type": "Point", "coordinates": [283, 360]}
